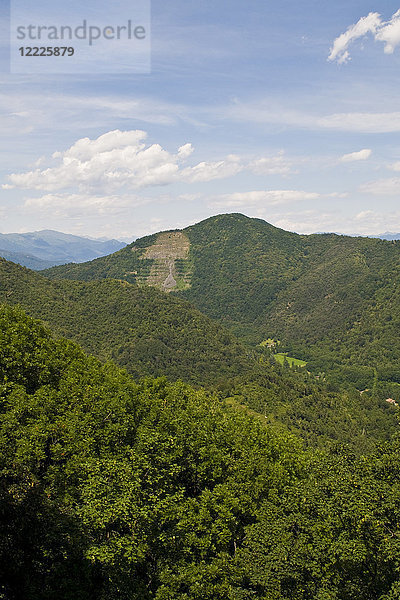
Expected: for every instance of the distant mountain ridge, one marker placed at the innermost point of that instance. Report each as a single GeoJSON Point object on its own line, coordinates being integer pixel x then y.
{"type": "Point", "coordinates": [388, 236]}
{"type": "Point", "coordinates": [43, 249]}
{"type": "Point", "coordinates": [26, 260]}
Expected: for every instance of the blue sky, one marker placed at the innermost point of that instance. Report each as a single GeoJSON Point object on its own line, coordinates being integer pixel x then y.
{"type": "Point", "coordinates": [242, 112]}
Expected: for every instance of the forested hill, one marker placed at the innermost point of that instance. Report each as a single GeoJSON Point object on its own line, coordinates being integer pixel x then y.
{"type": "Point", "coordinates": [152, 333]}
{"type": "Point", "coordinates": [330, 299]}
{"type": "Point", "coordinates": [142, 329]}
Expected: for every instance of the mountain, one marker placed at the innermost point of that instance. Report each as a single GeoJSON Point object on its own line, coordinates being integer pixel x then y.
{"type": "Point", "coordinates": [388, 236]}
{"type": "Point", "coordinates": [27, 260]}
{"type": "Point", "coordinates": [329, 299]}
{"type": "Point", "coordinates": [152, 333]}
{"type": "Point", "coordinates": [42, 249]}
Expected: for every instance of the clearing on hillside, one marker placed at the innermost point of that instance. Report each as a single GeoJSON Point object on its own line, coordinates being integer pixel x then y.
{"type": "Point", "coordinates": [296, 362]}
{"type": "Point", "coordinates": [171, 268]}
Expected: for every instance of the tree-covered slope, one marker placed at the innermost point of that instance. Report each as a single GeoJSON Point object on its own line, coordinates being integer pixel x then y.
{"type": "Point", "coordinates": [152, 333]}
{"type": "Point", "coordinates": [142, 329]}
{"type": "Point", "coordinates": [254, 276]}
{"type": "Point", "coordinates": [318, 294]}
{"type": "Point", "coordinates": [111, 489]}
{"type": "Point", "coordinates": [117, 490]}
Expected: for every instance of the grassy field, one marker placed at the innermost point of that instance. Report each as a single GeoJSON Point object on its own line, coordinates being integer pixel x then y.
{"type": "Point", "coordinates": [292, 361]}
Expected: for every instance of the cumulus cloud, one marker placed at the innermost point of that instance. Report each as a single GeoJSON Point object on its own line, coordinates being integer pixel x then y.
{"type": "Point", "coordinates": [111, 161]}
{"type": "Point", "coordinates": [387, 32]}
{"type": "Point", "coordinates": [355, 156]}
{"type": "Point", "coordinates": [85, 148]}
{"type": "Point", "coordinates": [121, 159]}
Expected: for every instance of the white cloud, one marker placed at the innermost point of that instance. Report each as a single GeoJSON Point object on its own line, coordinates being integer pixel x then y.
{"type": "Point", "coordinates": [382, 187]}
{"type": "Point", "coordinates": [308, 221]}
{"type": "Point", "coordinates": [85, 148]}
{"type": "Point", "coordinates": [372, 222]}
{"type": "Point", "coordinates": [121, 159]}
{"type": "Point", "coordinates": [362, 122]}
{"type": "Point", "coordinates": [70, 205]}
{"type": "Point", "coordinates": [365, 214]}
{"type": "Point", "coordinates": [260, 198]}
{"type": "Point", "coordinates": [207, 171]}
{"type": "Point", "coordinates": [365, 222]}
{"type": "Point", "coordinates": [387, 32]}
{"type": "Point", "coordinates": [277, 165]}
{"type": "Point", "coordinates": [368, 24]}
{"type": "Point", "coordinates": [355, 156]}
{"type": "Point", "coordinates": [395, 166]}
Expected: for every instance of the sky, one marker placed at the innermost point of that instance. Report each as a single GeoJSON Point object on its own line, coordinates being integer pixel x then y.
{"type": "Point", "coordinates": [286, 111]}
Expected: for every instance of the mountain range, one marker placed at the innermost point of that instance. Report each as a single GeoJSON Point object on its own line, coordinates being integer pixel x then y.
{"type": "Point", "coordinates": [388, 236]}
{"type": "Point", "coordinates": [43, 249]}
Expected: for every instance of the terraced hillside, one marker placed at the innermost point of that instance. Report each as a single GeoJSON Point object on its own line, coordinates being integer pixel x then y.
{"type": "Point", "coordinates": [170, 267]}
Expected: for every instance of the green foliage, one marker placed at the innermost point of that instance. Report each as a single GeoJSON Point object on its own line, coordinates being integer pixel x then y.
{"type": "Point", "coordinates": [142, 329]}
{"type": "Point", "coordinates": [111, 489]}
{"type": "Point", "coordinates": [333, 536]}
{"type": "Point", "coordinates": [151, 333]}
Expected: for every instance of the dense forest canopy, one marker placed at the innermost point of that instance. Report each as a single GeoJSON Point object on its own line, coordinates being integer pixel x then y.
{"type": "Point", "coordinates": [151, 490]}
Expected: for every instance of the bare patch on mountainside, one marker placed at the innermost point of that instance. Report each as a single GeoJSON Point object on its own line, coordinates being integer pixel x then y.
{"type": "Point", "coordinates": [171, 268]}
